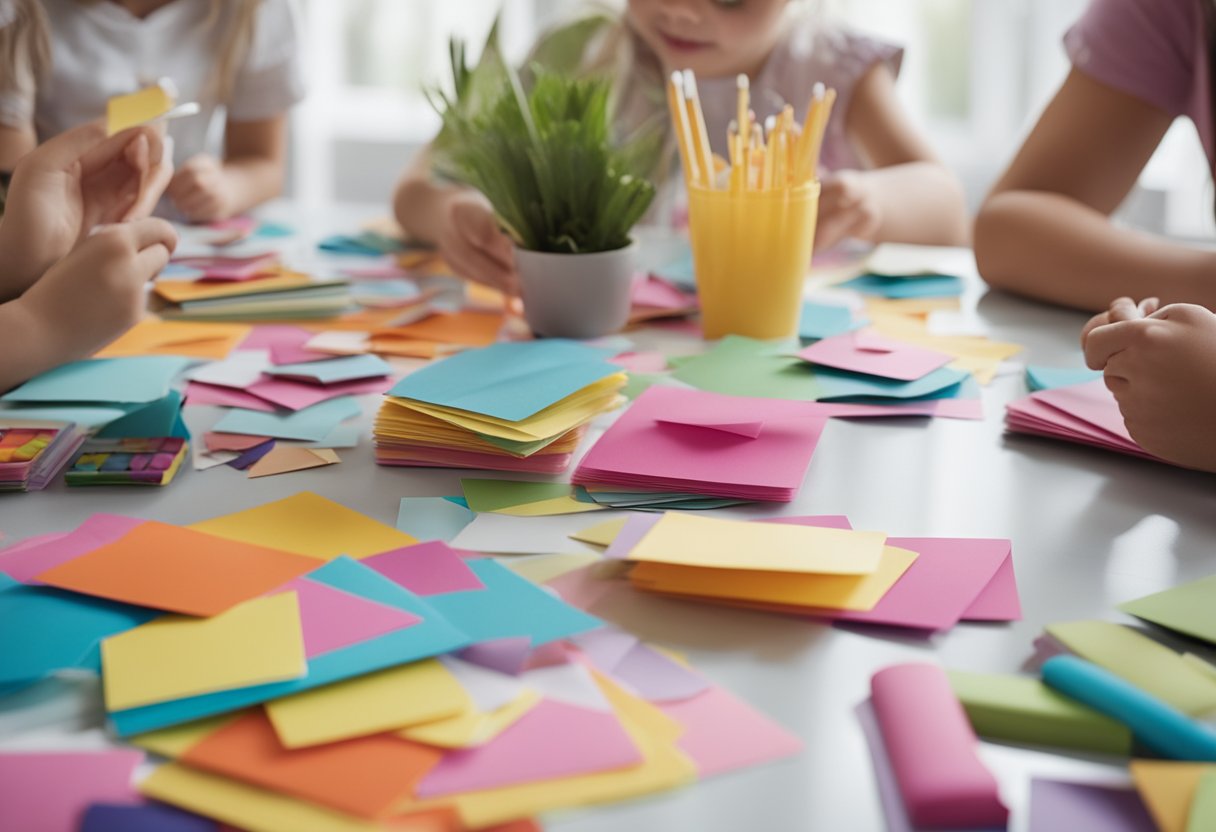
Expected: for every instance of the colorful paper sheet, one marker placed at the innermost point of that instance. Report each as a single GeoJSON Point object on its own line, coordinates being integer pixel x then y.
{"type": "Point", "coordinates": [1049, 378]}
{"type": "Point", "coordinates": [51, 790]}
{"type": "Point", "coordinates": [466, 328]}
{"type": "Point", "coordinates": [1187, 609]}
{"type": "Point", "coordinates": [239, 370]}
{"type": "Point", "coordinates": [1058, 805]}
{"type": "Point", "coordinates": [299, 395]}
{"type": "Point", "coordinates": [308, 524]}
{"type": "Point", "coordinates": [212, 394]}
{"type": "Point", "coordinates": [134, 380]}
{"type": "Point", "coordinates": [334, 370]}
{"type": "Point", "coordinates": [488, 495]}
{"type": "Point", "coordinates": [177, 569]}
{"type": "Point", "coordinates": [1168, 789]}
{"type": "Point", "coordinates": [331, 619]}
{"type": "Point", "coordinates": [134, 109]}
{"type": "Point", "coordinates": [429, 568]}
{"type": "Point", "coordinates": [912, 286]}
{"type": "Point", "coordinates": [432, 518]}
{"type": "Point", "coordinates": [283, 459]}
{"type": "Point", "coordinates": [191, 339]}
{"type": "Point", "coordinates": [505, 534]}
{"type": "Point", "coordinates": [311, 423]}
{"type": "Point", "coordinates": [872, 354]}
{"type": "Point", "coordinates": [825, 320]}
{"type": "Point", "coordinates": [153, 817]}
{"type": "Point", "coordinates": [24, 561]}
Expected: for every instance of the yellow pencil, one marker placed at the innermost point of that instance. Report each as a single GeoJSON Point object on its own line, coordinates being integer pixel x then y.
{"type": "Point", "coordinates": [743, 102]}
{"type": "Point", "coordinates": [801, 153]}
{"type": "Point", "coordinates": [820, 125]}
{"type": "Point", "coordinates": [770, 129]}
{"type": "Point", "coordinates": [738, 170]}
{"type": "Point", "coordinates": [700, 136]}
{"type": "Point", "coordinates": [675, 93]}
{"type": "Point", "coordinates": [755, 169]}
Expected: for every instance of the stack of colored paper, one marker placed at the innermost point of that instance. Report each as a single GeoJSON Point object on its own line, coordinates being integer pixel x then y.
{"type": "Point", "coordinates": [296, 688]}
{"type": "Point", "coordinates": [33, 453]}
{"type": "Point", "coordinates": [128, 461]}
{"type": "Point", "coordinates": [245, 291]}
{"type": "Point", "coordinates": [918, 583]}
{"type": "Point", "coordinates": [692, 442]}
{"type": "Point", "coordinates": [1083, 413]}
{"type": "Point", "coordinates": [510, 407]}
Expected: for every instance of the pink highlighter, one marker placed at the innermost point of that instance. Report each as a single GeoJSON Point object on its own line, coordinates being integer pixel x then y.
{"type": "Point", "coordinates": [932, 749]}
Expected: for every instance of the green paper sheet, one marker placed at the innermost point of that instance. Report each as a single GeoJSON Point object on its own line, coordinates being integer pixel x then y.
{"type": "Point", "coordinates": [1189, 609]}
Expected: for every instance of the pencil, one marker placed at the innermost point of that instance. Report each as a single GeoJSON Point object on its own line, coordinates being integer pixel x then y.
{"type": "Point", "coordinates": [696, 120]}
{"type": "Point", "coordinates": [679, 118]}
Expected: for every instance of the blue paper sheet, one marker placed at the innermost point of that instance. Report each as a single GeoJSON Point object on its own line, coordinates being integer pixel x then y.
{"type": "Point", "coordinates": [432, 518]}
{"type": "Point", "coordinates": [160, 419]}
{"type": "Point", "coordinates": [153, 817]}
{"type": "Point", "coordinates": [510, 381]}
{"type": "Point", "coordinates": [43, 630]}
{"type": "Point", "coordinates": [510, 607]}
{"type": "Point", "coordinates": [681, 272]}
{"type": "Point", "coordinates": [1049, 378]}
{"type": "Point", "coordinates": [825, 320]}
{"type": "Point", "coordinates": [837, 385]}
{"type": "Point", "coordinates": [135, 380]}
{"type": "Point", "coordinates": [311, 423]}
{"type": "Point", "coordinates": [85, 416]}
{"type": "Point", "coordinates": [918, 286]}
{"type": "Point", "coordinates": [334, 370]}
{"type": "Point", "coordinates": [432, 636]}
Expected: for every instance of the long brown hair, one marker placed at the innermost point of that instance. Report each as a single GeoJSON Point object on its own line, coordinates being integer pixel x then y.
{"type": "Point", "coordinates": [26, 42]}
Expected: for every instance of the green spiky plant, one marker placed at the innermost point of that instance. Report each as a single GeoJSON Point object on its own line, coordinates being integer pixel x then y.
{"type": "Point", "coordinates": [545, 159]}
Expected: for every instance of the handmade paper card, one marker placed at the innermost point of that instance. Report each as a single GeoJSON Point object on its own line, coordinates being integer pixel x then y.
{"type": "Point", "coordinates": [872, 354]}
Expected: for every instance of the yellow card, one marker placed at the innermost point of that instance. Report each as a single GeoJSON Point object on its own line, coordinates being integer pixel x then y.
{"type": "Point", "coordinates": [181, 291]}
{"type": "Point", "coordinates": [124, 111]}
{"type": "Point", "coordinates": [543, 568]}
{"type": "Point", "coordinates": [547, 508]}
{"type": "Point", "coordinates": [308, 524]}
{"type": "Point", "coordinates": [1168, 788]}
{"type": "Point", "coordinates": [253, 643]}
{"type": "Point", "coordinates": [388, 700]}
{"type": "Point", "coordinates": [194, 340]}
{"type": "Point", "coordinates": [837, 592]}
{"type": "Point", "coordinates": [472, 727]}
{"type": "Point", "coordinates": [244, 806]}
{"type": "Point", "coordinates": [601, 534]}
{"type": "Point", "coordinates": [694, 540]}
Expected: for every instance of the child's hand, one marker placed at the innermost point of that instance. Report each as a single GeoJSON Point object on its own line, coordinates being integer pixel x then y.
{"type": "Point", "coordinates": [847, 209]}
{"type": "Point", "coordinates": [96, 292]}
{"type": "Point", "coordinates": [1121, 309]}
{"type": "Point", "coordinates": [201, 191]}
{"type": "Point", "coordinates": [1162, 370]}
{"type": "Point", "coordinates": [474, 246]}
{"type": "Point", "coordinates": [72, 183]}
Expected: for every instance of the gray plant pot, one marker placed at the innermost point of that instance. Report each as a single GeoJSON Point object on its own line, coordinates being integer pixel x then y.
{"type": "Point", "coordinates": [576, 295]}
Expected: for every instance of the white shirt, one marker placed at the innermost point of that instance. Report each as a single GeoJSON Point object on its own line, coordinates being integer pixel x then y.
{"type": "Point", "coordinates": [99, 50]}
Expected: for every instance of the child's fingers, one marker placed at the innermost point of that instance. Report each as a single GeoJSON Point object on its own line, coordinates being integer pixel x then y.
{"type": "Point", "coordinates": [71, 146]}
{"type": "Point", "coordinates": [150, 232]}
{"type": "Point", "coordinates": [1104, 342]}
{"type": "Point", "coordinates": [1148, 306]}
{"type": "Point", "coordinates": [120, 147]}
{"type": "Point", "coordinates": [1124, 309]}
{"type": "Point", "coordinates": [152, 260]}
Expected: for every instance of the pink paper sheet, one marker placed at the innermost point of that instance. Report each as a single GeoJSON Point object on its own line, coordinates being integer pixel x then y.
{"type": "Point", "coordinates": [656, 293]}
{"type": "Point", "coordinates": [198, 393]}
{"type": "Point", "coordinates": [639, 451]}
{"type": "Point", "coordinates": [24, 563]}
{"type": "Point", "coordinates": [722, 733]}
{"type": "Point", "coordinates": [943, 408]}
{"type": "Point", "coordinates": [331, 619]}
{"type": "Point", "coordinates": [861, 352]}
{"type": "Point", "coordinates": [552, 740]}
{"type": "Point", "coordinates": [50, 791]}
{"type": "Point", "coordinates": [285, 343]}
{"type": "Point", "coordinates": [429, 568]}
{"type": "Point", "coordinates": [506, 655]}
{"type": "Point", "coordinates": [297, 395]}
{"type": "Point", "coordinates": [641, 362]}
{"type": "Point", "coordinates": [999, 600]}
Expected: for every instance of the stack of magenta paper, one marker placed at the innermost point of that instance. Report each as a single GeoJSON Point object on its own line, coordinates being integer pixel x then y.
{"type": "Point", "coordinates": [32, 453]}
{"type": "Point", "coordinates": [508, 407]}
{"type": "Point", "coordinates": [306, 667]}
{"type": "Point", "coordinates": [1083, 413]}
{"type": "Point", "coordinates": [693, 442]}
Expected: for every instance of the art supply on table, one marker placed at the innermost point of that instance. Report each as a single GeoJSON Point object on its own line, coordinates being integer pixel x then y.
{"type": "Point", "coordinates": [127, 462]}
{"type": "Point", "coordinates": [32, 454]}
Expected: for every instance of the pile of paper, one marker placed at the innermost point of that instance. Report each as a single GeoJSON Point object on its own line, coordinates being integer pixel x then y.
{"type": "Point", "coordinates": [1083, 413]}
{"type": "Point", "coordinates": [511, 407]}
{"type": "Point", "coordinates": [224, 288]}
{"type": "Point", "coordinates": [306, 667]}
{"type": "Point", "coordinates": [33, 453]}
{"type": "Point", "coordinates": [696, 443]}
{"type": "Point", "coordinates": [809, 566]}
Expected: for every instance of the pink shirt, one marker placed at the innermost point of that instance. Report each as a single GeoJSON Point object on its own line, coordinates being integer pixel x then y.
{"type": "Point", "coordinates": [1155, 50]}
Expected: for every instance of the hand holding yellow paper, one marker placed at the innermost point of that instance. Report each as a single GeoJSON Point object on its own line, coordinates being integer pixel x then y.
{"type": "Point", "coordinates": [157, 102]}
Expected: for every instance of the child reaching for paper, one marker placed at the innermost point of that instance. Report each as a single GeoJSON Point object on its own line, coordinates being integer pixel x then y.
{"type": "Point", "coordinates": [77, 246]}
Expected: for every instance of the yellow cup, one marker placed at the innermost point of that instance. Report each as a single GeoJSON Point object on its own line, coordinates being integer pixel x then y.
{"type": "Point", "coordinates": [751, 252]}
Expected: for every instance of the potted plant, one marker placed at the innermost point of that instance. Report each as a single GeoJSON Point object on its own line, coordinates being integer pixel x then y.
{"type": "Point", "coordinates": [564, 191]}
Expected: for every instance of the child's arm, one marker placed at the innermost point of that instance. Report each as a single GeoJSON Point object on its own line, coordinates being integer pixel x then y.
{"type": "Point", "coordinates": [15, 143]}
{"type": "Point", "coordinates": [1162, 370]}
{"type": "Point", "coordinates": [908, 196]}
{"type": "Point", "coordinates": [252, 172]}
{"type": "Point", "coordinates": [1045, 230]}
{"type": "Point", "coordinates": [457, 220]}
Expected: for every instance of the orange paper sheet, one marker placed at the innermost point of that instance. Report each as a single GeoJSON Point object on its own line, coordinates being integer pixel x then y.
{"type": "Point", "coordinates": [194, 340]}
{"type": "Point", "coordinates": [474, 329]}
{"type": "Point", "coordinates": [283, 459]}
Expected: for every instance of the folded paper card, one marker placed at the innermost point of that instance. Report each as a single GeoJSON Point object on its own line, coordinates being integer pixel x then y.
{"type": "Point", "coordinates": [1186, 609]}
{"type": "Point", "coordinates": [134, 380]}
{"type": "Point", "coordinates": [191, 339]}
{"type": "Point", "coordinates": [872, 354]}
{"type": "Point", "coordinates": [312, 423]}
{"type": "Point", "coordinates": [334, 370]}
{"type": "Point", "coordinates": [432, 518]}
{"type": "Point", "coordinates": [1084, 413]}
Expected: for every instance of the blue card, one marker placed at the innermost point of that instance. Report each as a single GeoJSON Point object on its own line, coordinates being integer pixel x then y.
{"type": "Point", "coordinates": [311, 423]}
{"type": "Point", "coordinates": [158, 420]}
{"type": "Point", "coordinates": [509, 381]}
{"type": "Point", "coordinates": [136, 380]}
{"type": "Point", "coordinates": [334, 370]}
{"type": "Point", "coordinates": [432, 518]}
{"type": "Point", "coordinates": [86, 416]}
{"type": "Point", "coordinates": [511, 606]}
{"type": "Point", "coordinates": [918, 286]}
{"type": "Point", "coordinates": [681, 272]}
{"type": "Point", "coordinates": [154, 817]}
{"type": "Point", "coordinates": [837, 385]}
{"type": "Point", "coordinates": [433, 636]}
{"type": "Point", "coordinates": [825, 320]}
{"type": "Point", "coordinates": [1049, 378]}
{"type": "Point", "coordinates": [43, 630]}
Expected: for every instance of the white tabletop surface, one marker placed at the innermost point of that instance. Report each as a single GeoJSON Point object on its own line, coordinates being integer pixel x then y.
{"type": "Point", "coordinates": [1090, 529]}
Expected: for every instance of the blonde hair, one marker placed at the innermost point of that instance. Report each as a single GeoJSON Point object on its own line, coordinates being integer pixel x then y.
{"type": "Point", "coordinates": [25, 43]}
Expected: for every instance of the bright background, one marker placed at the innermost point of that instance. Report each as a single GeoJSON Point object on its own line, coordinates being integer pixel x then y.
{"type": "Point", "coordinates": [977, 74]}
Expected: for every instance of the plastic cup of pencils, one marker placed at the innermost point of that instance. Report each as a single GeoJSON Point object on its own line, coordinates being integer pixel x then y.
{"type": "Point", "coordinates": [751, 252]}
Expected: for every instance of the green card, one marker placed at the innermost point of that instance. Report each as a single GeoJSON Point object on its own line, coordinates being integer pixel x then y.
{"type": "Point", "coordinates": [1189, 609]}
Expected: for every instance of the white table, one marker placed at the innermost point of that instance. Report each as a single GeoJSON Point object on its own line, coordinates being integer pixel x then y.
{"type": "Point", "coordinates": [1090, 530]}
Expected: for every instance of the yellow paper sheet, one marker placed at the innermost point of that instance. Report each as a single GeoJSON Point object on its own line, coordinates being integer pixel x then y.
{"type": "Point", "coordinates": [694, 540]}
{"type": "Point", "coordinates": [256, 642]}
{"type": "Point", "coordinates": [181, 291]}
{"type": "Point", "coordinates": [396, 420]}
{"type": "Point", "coordinates": [472, 727]}
{"type": "Point", "coordinates": [124, 111]}
{"type": "Point", "coordinates": [175, 741]}
{"type": "Point", "coordinates": [838, 592]}
{"type": "Point", "coordinates": [1167, 789]}
{"type": "Point", "coordinates": [391, 699]}
{"type": "Point", "coordinates": [663, 766]}
{"type": "Point", "coordinates": [308, 524]}
{"type": "Point", "coordinates": [543, 568]}
{"type": "Point", "coordinates": [981, 356]}
{"type": "Point", "coordinates": [601, 534]}
{"type": "Point", "coordinates": [546, 508]}
{"type": "Point", "coordinates": [194, 340]}
{"type": "Point", "coordinates": [283, 459]}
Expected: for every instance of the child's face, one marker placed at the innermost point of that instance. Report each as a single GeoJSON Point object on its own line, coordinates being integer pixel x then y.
{"type": "Point", "coordinates": [713, 38]}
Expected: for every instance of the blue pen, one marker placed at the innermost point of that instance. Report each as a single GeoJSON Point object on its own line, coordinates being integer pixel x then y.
{"type": "Point", "coordinates": [1160, 727]}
